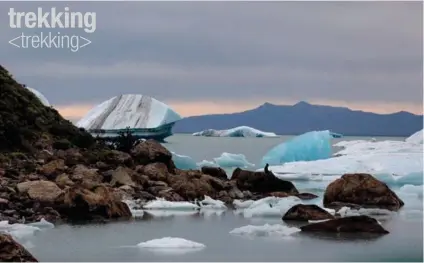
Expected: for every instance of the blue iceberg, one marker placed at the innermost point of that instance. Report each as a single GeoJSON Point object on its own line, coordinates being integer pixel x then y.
{"type": "Point", "coordinates": [310, 146]}
{"type": "Point", "coordinates": [207, 163]}
{"type": "Point", "coordinates": [183, 162]}
{"type": "Point", "coordinates": [230, 160]}
{"type": "Point", "coordinates": [241, 131]}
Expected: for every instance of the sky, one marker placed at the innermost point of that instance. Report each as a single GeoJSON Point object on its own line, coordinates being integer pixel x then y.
{"type": "Point", "coordinates": [217, 57]}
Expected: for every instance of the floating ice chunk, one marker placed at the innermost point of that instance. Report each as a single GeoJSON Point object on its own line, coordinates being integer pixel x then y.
{"type": "Point", "coordinates": [385, 147]}
{"type": "Point", "coordinates": [309, 146]}
{"type": "Point", "coordinates": [241, 131]}
{"type": "Point", "coordinates": [232, 160]}
{"type": "Point", "coordinates": [415, 138]}
{"type": "Point", "coordinates": [265, 230]}
{"type": "Point", "coordinates": [161, 203]}
{"type": "Point", "coordinates": [317, 221]}
{"type": "Point", "coordinates": [209, 203]}
{"type": "Point", "coordinates": [347, 211]}
{"type": "Point", "coordinates": [43, 224]}
{"type": "Point", "coordinates": [170, 242]}
{"type": "Point", "coordinates": [40, 96]}
{"type": "Point", "coordinates": [129, 110]}
{"type": "Point", "coordinates": [271, 206]}
{"type": "Point", "coordinates": [206, 163]}
{"type": "Point", "coordinates": [18, 231]}
{"type": "Point", "coordinates": [183, 162]}
{"type": "Point", "coordinates": [240, 204]}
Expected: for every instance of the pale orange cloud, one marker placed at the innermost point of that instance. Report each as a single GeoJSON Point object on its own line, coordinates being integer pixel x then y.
{"type": "Point", "coordinates": [75, 112]}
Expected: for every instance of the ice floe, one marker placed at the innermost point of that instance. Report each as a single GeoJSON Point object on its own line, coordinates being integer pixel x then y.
{"type": "Point", "coordinates": [161, 203]}
{"type": "Point", "coordinates": [267, 230]}
{"type": "Point", "coordinates": [241, 131]}
{"type": "Point", "coordinates": [415, 138]}
{"type": "Point", "coordinates": [229, 160]}
{"type": "Point", "coordinates": [170, 243]}
{"type": "Point", "coordinates": [270, 207]}
{"type": "Point", "coordinates": [210, 203]}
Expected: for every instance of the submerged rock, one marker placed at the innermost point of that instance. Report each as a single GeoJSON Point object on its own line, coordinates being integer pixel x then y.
{"type": "Point", "coordinates": [351, 224]}
{"type": "Point", "coordinates": [12, 251]}
{"type": "Point", "coordinates": [307, 212]}
{"type": "Point", "coordinates": [362, 189]}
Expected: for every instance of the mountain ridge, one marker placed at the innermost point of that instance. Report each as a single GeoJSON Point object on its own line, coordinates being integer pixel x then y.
{"type": "Point", "coordinates": [304, 117]}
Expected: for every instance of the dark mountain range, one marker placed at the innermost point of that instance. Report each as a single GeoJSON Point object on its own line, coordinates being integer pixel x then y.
{"type": "Point", "coordinates": [303, 117]}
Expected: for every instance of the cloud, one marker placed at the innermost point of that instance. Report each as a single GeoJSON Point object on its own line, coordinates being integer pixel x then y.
{"type": "Point", "coordinates": [364, 53]}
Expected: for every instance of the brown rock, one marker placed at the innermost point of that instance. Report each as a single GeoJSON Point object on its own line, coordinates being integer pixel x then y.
{"type": "Point", "coordinates": [83, 204]}
{"type": "Point", "coordinates": [12, 251]}
{"type": "Point", "coordinates": [362, 189]}
{"type": "Point", "coordinates": [156, 171]}
{"type": "Point", "coordinates": [120, 176]}
{"type": "Point", "coordinates": [351, 224]}
{"type": "Point", "coordinates": [86, 174]}
{"type": "Point", "coordinates": [53, 168]}
{"type": "Point", "coordinates": [191, 185]}
{"type": "Point", "coordinates": [150, 151]}
{"type": "Point", "coordinates": [216, 172]}
{"type": "Point", "coordinates": [44, 191]}
{"type": "Point", "coordinates": [63, 180]}
{"type": "Point", "coordinates": [306, 212]}
{"type": "Point", "coordinates": [261, 182]}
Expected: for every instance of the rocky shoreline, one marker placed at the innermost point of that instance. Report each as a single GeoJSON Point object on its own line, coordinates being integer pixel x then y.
{"type": "Point", "coordinates": [51, 169]}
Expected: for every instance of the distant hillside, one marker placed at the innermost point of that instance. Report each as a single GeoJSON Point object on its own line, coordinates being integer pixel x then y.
{"type": "Point", "coordinates": [303, 117]}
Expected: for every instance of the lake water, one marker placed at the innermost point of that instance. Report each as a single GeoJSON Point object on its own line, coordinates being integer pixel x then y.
{"type": "Point", "coordinates": [116, 241]}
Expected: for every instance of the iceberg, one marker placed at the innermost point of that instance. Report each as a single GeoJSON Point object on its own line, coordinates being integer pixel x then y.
{"type": "Point", "coordinates": [145, 116]}
{"type": "Point", "coordinates": [266, 230]}
{"type": "Point", "coordinates": [40, 96]}
{"type": "Point", "coordinates": [170, 243]}
{"type": "Point", "coordinates": [310, 146]}
{"type": "Point", "coordinates": [183, 162]}
{"type": "Point", "coordinates": [241, 131]}
{"type": "Point", "coordinates": [229, 160]}
{"type": "Point", "coordinates": [416, 138]}
{"type": "Point", "coordinates": [161, 203]}
{"type": "Point", "coordinates": [210, 203]}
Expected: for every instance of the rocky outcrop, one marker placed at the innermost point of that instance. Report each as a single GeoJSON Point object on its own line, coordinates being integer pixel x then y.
{"type": "Point", "coordinates": [12, 251]}
{"type": "Point", "coordinates": [151, 151]}
{"type": "Point", "coordinates": [361, 189]}
{"type": "Point", "coordinates": [216, 172]}
{"type": "Point", "coordinates": [352, 224]}
{"type": "Point", "coordinates": [43, 191]}
{"type": "Point", "coordinates": [81, 204]}
{"type": "Point", "coordinates": [307, 212]}
{"type": "Point", "coordinates": [262, 182]}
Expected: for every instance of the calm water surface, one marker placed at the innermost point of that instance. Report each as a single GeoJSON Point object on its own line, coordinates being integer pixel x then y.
{"type": "Point", "coordinates": [116, 241]}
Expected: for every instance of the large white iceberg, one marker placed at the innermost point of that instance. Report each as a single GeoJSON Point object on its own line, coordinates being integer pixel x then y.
{"type": "Point", "coordinates": [40, 96]}
{"type": "Point", "coordinates": [310, 146]}
{"type": "Point", "coordinates": [241, 131]}
{"type": "Point", "coordinates": [229, 160]}
{"type": "Point", "coordinates": [138, 112]}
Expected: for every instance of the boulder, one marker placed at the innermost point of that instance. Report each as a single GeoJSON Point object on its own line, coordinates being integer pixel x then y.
{"type": "Point", "coordinates": [156, 171]}
{"type": "Point", "coordinates": [362, 189]}
{"type": "Point", "coordinates": [12, 251]}
{"type": "Point", "coordinates": [53, 168]}
{"type": "Point", "coordinates": [351, 224]}
{"type": "Point", "coordinates": [120, 176]}
{"type": "Point", "coordinates": [151, 151]}
{"type": "Point", "coordinates": [216, 172]}
{"type": "Point", "coordinates": [307, 212]}
{"type": "Point", "coordinates": [82, 204]}
{"type": "Point", "coordinates": [87, 174]}
{"type": "Point", "coordinates": [191, 185]}
{"type": "Point", "coordinates": [44, 191]}
{"type": "Point", "coordinates": [262, 182]}
{"type": "Point", "coordinates": [63, 180]}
